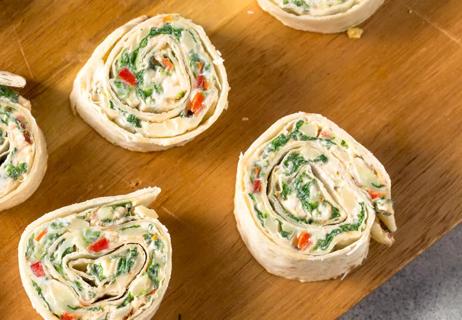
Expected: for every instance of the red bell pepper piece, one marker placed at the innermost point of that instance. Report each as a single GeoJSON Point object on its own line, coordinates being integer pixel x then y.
{"type": "Point", "coordinates": [257, 185]}
{"type": "Point", "coordinates": [37, 269]}
{"type": "Point", "coordinates": [196, 102]}
{"type": "Point", "coordinates": [126, 75]}
{"type": "Point", "coordinates": [99, 245]}
{"type": "Point", "coordinates": [202, 82]}
{"type": "Point", "coordinates": [41, 235]}
{"type": "Point", "coordinates": [167, 63]}
{"type": "Point", "coordinates": [303, 240]}
{"type": "Point", "coordinates": [67, 316]}
{"type": "Point", "coordinates": [374, 194]}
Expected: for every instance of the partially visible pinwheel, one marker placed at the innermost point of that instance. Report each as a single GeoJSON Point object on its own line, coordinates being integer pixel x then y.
{"type": "Point", "coordinates": [325, 16]}
{"type": "Point", "coordinates": [23, 154]}
{"type": "Point", "coordinates": [308, 197]}
{"type": "Point", "coordinates": [106, 258]}
{"type": "Point", "coordinates": [152, 84]}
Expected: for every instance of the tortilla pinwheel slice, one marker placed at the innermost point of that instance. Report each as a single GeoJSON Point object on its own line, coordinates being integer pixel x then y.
{"type": "Point", "coordinates": [152, 84]}
{"type": "Point", "coordinates": [324, 16]}
{"type": "Point", "coordinates": [23, 154]}
{"type": "Point", "coordinates": [308, 197]}
{"type": "Point", "coordinates": [106, 258]}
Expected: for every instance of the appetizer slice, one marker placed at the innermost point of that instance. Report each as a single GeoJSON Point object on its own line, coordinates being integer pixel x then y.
{"type": "Point", "coordinates": [152, 84]}
{"type": "Point", "coordinates": [23, 154]}
{"type": "Point", "coordinates": [107, 258]}
{"type": "Point", "coordinates": [325, 16]}
{"type": "Point", "coordinates": [308, 197]}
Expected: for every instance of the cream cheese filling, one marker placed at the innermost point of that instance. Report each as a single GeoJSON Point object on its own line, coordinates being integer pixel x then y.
{"type": "Point", "coordinates": [17, 145]}
{"type": "Point", "coordinates": [311, 189]}
{"type": "Point", "coordinates": [316, 7]}
{"type": "Point", "coordinates": [105, 262]}
{"type": "Point", "coordinates": [153, 81]}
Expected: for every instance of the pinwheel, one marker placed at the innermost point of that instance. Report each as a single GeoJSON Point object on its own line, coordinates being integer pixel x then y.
{"type": "Point", "coordinates": [23, 154]}
{"type": "Point", "coordinates": [308, 197]}
{"type": "Point", "coordinates": [325, 16]}
{"type": "Point", "coordinates": [152, 84]}
{"type": "Point", "coordinates": [107, 258]}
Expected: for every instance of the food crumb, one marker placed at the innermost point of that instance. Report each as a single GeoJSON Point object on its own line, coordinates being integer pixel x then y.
{"type": "Point", "coordinates": [410, 11]}
{"type": "Point", "coordinates": [355, 33]}
{"type": "Point", "coordinates": [245, 119]}
{"type": "Point", "coordinates": [250, 12]}
{"type": "Point", "coordinates": [135, 183]}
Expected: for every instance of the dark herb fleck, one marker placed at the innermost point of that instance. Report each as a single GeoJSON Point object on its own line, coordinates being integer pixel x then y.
{"type": "Point", "coordinates": [125, 264]}
{"type": "Point", "coordinates": [15, 172]}
{"type": "Point", "coordinates": [134, 120]}
{"type": "Point", "coordinates": [167, 29]}
{"type": "Point", "coordinates": [261, 215]}
{"type": "Point", "coordinates": [97, 270]}
{"type": "Point", "coordinates": [286, 190]}
{"type": "Point", "coordinates": [144, 42]}
{"type": "Point", "coordinates": [322, 158]}
{"type": "Point", "coordinates": [39, 292]}
{"type": "Point", "coordinates": [130, 227]}
{"type": "Point", "coordinates": [78, 285]}
{"type": "Point", "coordinates": [57, 225]}
{"type": "Point", "coordinates": [293, 162]}
{"type": "Point", "coordinates": [303, 191]}
{"type": "Point", "coordinates": [378, 186]}
{"type": "Point", "coordinates": [282, 232]}
{"type": "Point", "coordinates": [153, 274]}
{"type": "Point", "coordinates": [96, 309]}
{"type": "Point", "coordinates": [90, 235]}
{"type": "Point", "coordinates": [124, 59]}
{"type": "Point", "coordinates": [8, 93]}
{"type": "Point", "coordinates": [68, 251]}
{"type": "Point", "coordinates": [126, 301]}
{"type": "Point", "coordinates": [30, 247]}
{"type": "Point", "coordinates": [335, 213]}
{"type": "Point", "coordinates": [279, 142]}
{"type": "Point", "coordinates": [73, 308]}
{"type": "Point", "coordinates": [59, 268]}
{"type": "Point", "coordinates": [323, 244]}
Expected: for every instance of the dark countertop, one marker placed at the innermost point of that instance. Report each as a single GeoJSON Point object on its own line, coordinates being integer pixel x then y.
{"type": "Point", "coordinates": [430, 288]}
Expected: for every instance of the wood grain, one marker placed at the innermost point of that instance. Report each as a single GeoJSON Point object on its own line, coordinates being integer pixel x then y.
{"type": "Point", "coordinates": [397, 91]}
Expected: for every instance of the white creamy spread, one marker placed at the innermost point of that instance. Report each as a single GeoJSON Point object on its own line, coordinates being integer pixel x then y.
{"type": "Point", "coordinates": [17, 143]}
{"type": "Point", "coordinates": [158, 78]}
{"type": "Point", "coordinates": [309, 197]}
{"type": "Point", "coordinates": [105, 262]}
{"type": "Point", "coordinates": [316, 7]}
{"type": "Point", "coordinates": [310, 188]}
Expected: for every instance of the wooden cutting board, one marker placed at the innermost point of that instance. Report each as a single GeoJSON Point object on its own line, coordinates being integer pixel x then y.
{"type": "Point", "coordinates": [397, 90]}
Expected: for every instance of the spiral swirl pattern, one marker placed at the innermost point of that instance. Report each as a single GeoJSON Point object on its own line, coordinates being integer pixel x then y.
{"type": "Point", "coordinates": [308, 196]}
{"type": "Point", "coordinates": [108, 258]}
{"type": "Point", "coordinates": [23, 155]}
{"type": "Point", "coordinates": [152, 84]}
{"type": "Point", "coordinates": [325, 16]}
